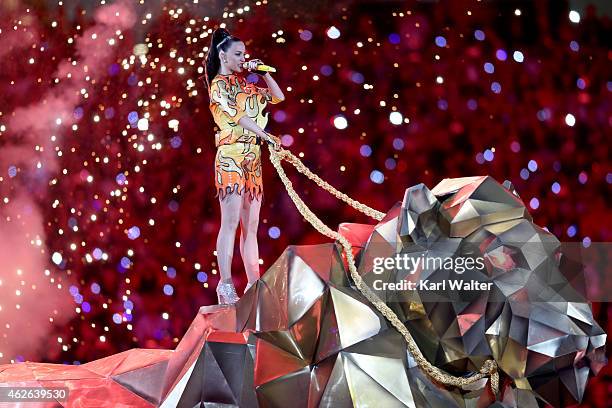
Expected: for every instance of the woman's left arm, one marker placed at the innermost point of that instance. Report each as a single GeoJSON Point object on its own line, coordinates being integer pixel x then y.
{"type": "Point", "coordinates": [274, 88]}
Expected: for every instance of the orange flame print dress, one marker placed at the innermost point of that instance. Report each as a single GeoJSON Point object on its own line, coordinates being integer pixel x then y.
{"type": "Point", "coordinates": [238, 159]}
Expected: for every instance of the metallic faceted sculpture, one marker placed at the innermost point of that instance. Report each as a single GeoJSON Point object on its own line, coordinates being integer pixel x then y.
{"type": "Point", "coordinates": [304, 336]}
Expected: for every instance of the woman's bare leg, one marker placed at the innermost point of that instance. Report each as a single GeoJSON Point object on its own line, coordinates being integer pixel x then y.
{"type": "Point", "coordinates": [249, 222]}
{"type": "Point", "coordinates": [230, 217]}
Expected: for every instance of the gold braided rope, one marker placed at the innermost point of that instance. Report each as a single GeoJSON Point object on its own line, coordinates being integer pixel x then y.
{"type": "Point", "coordinates": [488, 369]}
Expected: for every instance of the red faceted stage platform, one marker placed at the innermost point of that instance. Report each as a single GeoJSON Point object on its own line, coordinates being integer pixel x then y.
{"type": "Point", "coordinates": [306, 336]}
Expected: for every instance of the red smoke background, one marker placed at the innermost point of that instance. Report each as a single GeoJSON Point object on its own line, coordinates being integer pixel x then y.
{"type": "Point", "coordinates": [108, 230]}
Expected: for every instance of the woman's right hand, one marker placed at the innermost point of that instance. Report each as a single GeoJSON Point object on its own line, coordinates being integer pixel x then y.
{"type": "Point", "coordinates": [252, 64]}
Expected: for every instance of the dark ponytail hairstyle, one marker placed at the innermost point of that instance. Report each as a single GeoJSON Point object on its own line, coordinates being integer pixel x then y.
{"type": "Point", "coordinates": [221, 40]}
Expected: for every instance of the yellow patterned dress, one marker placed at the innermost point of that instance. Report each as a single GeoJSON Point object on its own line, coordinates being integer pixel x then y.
{"type": "Point", "coordinates": [238, 159]}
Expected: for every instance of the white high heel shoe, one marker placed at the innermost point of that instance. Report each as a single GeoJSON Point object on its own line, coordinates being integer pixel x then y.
{"type": "Point", "coordinates": [226, 293]}
{"type": "Point", "coordinates": [249, 284]}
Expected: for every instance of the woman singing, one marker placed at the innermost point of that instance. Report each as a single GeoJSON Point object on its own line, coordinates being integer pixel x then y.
{"type": "Point", "coordinates": [238, 110]}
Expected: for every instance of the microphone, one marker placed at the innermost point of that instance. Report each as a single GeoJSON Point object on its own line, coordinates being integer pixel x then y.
{"type": "Point", "coordinates": [260, 67]}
